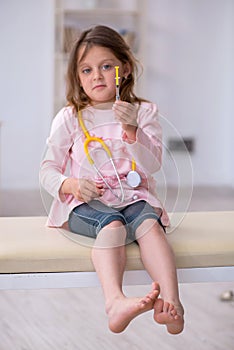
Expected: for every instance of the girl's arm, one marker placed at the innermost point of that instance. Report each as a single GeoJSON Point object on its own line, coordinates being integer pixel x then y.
{"type": "Point", "coordinates": [53, 166]}
{"type": "Point", "coordinates": [59, 143]}
{"type": "Point", "coordinates": [142, 133]}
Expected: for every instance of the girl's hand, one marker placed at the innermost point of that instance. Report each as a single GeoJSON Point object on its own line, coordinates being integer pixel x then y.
{"type": "Point", "coordinates": [126, 113]}
{"type": "Point", "coordinates": [82, 189]}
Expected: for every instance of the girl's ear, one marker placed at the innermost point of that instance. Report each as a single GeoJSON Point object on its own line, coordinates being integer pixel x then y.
{"type": "Point", "coordinates": [127, 70]}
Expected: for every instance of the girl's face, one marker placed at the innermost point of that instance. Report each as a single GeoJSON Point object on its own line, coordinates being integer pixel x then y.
{"type": "Point", "coordinates": [97, 73]}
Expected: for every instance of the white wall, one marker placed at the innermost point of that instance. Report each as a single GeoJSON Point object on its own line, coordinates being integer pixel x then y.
{"type": "Point", "coordinates": [190, 72]}
{"type": "Point", "coordinates": [232, 93]}
{"type": "Point", "coordinates": [26, 71]}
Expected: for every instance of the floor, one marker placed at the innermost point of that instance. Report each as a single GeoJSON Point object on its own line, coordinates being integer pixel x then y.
{"type": "Point", "coordinates": [74, 319]}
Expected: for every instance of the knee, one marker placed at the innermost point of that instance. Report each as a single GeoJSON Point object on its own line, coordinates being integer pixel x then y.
{"type": "Point", "coordinates": [149, 226]}
{"type": "Point", "coordinates": [114, 228]}
{"type": "Point", "coordinates": [116, 224]}
{"type": "Point", "coordinates": [112, 235]}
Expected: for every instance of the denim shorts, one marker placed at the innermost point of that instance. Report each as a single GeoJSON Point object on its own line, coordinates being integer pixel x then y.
{"type": "Point", "coordinates": [89, 218]}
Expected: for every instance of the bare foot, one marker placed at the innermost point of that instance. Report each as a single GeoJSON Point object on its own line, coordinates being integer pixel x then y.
{"type": "Point", "coordinates": [123, 310]}
{"type": "Point", "coordinates": [170, 315]}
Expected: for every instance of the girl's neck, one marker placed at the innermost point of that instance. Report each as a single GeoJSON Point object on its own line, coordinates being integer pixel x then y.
{"type": "Point", "coordinates": [103, 106]}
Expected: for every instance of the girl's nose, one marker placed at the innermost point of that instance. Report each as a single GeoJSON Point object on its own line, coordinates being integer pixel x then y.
{"type": "Point", "coordinates": [97, 74]}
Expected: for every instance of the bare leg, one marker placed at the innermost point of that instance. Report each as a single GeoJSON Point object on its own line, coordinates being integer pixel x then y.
{"type": "Point", "coordinates": [109, 259]}
{"type": "Point", "coordinates": [158, 259]}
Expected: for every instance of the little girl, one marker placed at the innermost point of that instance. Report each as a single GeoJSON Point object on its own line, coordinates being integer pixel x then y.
{"type": "Point", "coordinates": [110, 193]}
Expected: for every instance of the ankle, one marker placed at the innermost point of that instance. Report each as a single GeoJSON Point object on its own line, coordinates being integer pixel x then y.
{"type": "Point", "coordinates": [109, 304]}
{"type": "Point", "coordinates": [178, 306]}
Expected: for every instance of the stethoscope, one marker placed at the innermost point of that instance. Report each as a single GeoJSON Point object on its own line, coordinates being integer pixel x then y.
{"type": "Point", "coordinates": [133, 177]}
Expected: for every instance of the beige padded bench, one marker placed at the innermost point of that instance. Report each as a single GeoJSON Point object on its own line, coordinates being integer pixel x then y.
{"type": "Point", "coordinates": [34, 256]}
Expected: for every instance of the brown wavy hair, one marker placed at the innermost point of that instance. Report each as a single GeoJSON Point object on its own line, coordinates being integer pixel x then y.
{"type": "Point", "coordinates": [105, 37]}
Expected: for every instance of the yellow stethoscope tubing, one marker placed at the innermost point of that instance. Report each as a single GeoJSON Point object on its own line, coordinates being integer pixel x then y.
{"type": "Point", "coordinates": [95, 139]}
{"type": "Point", "coordinates": [89, 139]}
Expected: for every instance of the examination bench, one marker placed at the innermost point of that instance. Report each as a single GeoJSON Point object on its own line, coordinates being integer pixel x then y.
{"type": "Point", "coordinates": [33, 256]}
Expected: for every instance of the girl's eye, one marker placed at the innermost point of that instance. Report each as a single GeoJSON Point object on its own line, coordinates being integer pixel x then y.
{"type": "Point", "coordinates": [86, 70]}
{"type": "Point", "coordinates": [106, 67]}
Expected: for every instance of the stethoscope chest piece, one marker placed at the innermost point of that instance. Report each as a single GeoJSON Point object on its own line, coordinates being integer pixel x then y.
{"type": "Point", "coordinates": [133, 179]}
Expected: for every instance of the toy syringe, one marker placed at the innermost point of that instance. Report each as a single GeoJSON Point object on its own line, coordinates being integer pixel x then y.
{"type": "Point", "coordinates": [117, 82]}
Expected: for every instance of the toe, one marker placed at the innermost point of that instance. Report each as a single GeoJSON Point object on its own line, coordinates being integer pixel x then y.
{"type": "Point", "coordinates": [155, 286]}
{"type": "Point", "coordinates": [166, 306]}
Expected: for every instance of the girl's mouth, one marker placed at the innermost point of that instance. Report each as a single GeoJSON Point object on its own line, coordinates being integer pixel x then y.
{"type": "Point", "coordinates": [99, 86]}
